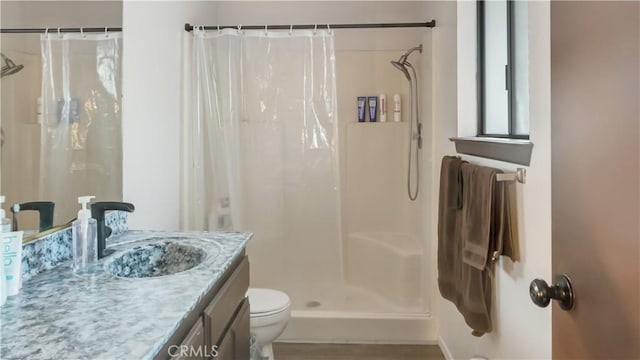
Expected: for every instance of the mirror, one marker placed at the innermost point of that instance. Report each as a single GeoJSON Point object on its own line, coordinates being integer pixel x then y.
{"type": "Point", "coordinates": [57, 143]}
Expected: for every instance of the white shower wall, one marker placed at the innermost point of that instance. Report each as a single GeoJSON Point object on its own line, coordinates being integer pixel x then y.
{"type": "Point", "coordinates": [374, 163]}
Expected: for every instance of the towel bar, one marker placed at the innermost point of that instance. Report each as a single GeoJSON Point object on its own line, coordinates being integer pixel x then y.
{"type": "Point", "coordinates": [520, 176]}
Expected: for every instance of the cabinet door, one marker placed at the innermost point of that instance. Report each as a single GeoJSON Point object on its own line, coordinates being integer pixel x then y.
{"type": "Point", "coordinates": [240, 329]}
{"type": "Point", "coordinates": [219, 313]}
{"type": "Point", "coordinates": [225, 349]}
{"type": "Point", "coordinates": [193, 345]}
{"type": "Point", "coordinates": [235, 343]}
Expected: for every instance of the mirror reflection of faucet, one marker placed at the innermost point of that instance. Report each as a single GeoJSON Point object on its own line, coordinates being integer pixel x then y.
{"type": "Point", "coordinates": [44, 208]}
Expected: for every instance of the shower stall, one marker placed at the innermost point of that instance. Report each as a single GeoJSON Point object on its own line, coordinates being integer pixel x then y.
{"type": "Point", "coordinates": [273, 146]}
{"type": "Point", "coordinates": [20, 131]}
{"type": "Point", "coordinates": [60, 119]}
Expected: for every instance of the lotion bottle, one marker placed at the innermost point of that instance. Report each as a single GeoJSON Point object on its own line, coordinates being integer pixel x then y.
{"type": "Point", "coordinates": [397, 107]}
{"type": "Point", "coordinates": [85, 239]}
{"type": "Point", "coordinates": [383, 107]}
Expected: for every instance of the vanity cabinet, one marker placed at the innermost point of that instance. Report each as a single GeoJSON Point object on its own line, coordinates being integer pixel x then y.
{"type": "Point", "coordinates": [194, 340]}
{"type": "Point", "coordinates": [235, 345]}
{"type": "Point", "coordinates": [218, 328]}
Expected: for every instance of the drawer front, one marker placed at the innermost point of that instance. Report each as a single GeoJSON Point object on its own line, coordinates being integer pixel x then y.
{"type": "Point", "coordinates": [235, 343]}
{"type": "Point", "coordinates": [193, 345]}
{"type": "Point", "coordinates": [220, 311]}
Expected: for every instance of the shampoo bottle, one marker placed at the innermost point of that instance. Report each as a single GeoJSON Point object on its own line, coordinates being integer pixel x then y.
{"type": "Point", "coordinates": [85, 239]}
{"type": "Point", "coordinates": [373, 108]}
{"type": "Point", "coordinates": [362, 105]}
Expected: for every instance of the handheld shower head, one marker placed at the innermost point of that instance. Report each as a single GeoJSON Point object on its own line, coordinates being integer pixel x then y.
{"type": "Point", "coordinates": [9, 67]}
{"type": "Point", "coordinates": [415, 137]}
{"type": "Point", "coordinates": [401, 66]}
{"type": "Point", "coordinates": [401, 63]}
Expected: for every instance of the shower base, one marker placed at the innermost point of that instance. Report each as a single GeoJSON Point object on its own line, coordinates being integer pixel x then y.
{"type": "Point", "coordinates": [346, 314]}
{"type": "Point", "coordinates": [347, 298]}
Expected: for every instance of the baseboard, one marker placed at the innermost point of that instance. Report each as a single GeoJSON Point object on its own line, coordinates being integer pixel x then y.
{"type": "Point", "coordinates": [343, 328]}
{"type": "Point", "coordinates": [445, 349]}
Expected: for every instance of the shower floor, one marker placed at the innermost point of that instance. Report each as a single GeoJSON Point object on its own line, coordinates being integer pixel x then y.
{"type": "Point", "coordinates": [345, 298]}
{"type": "Point", "coordinates": [347, 314]}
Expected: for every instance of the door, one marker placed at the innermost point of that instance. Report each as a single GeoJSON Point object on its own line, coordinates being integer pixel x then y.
{"type": "Point", "coordinates": [595, 83]}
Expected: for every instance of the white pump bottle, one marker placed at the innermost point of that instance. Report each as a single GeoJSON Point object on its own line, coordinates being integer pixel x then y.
{"type": "Point", "coordinates": [85, 239]}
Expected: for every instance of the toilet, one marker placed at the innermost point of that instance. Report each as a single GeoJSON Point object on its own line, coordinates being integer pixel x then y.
{"type": "Point", "coordinates": [270, 311]}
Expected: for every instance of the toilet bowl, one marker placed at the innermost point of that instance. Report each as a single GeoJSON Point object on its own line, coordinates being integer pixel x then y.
{"type": "Point", "coordinates": [270, 311]}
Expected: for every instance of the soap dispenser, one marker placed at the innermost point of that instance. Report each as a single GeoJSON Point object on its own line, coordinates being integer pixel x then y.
{"type": "Point", "coordinates": [85, 239]}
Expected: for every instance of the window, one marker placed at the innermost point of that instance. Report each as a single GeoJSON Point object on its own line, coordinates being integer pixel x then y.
{"type": "Point", "coordinates": [502, 73]}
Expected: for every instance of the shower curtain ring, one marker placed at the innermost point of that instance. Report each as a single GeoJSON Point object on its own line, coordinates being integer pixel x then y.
{"type": "Point", "coordinates": [315, 29]}
{"type": "Point", "coordinates": [60, 36]}
{"type": "Point", "coordinates": [46, 33]}
{"type": "Point", "coordinates": [218, 29]}
{"type": "Point", "coordinates": [329, 29]}
{"type": "Point", "coordinates": [240, 28]}
{"type": "Point", "coordinates": [82, 31]}
{"type": "Point", "coordinates": [291, 29]}
{"type": "Point", "coordinates": [265, 30]}
{"type": "Point", "coordinates": [106, 31]}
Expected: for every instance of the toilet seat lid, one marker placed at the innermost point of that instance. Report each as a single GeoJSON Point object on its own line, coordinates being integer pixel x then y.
{"type": "Point", "coordinates": [267, 300]}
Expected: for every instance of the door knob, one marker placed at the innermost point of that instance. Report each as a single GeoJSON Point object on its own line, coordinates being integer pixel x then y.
{"type": "Point", "coordinates": [561, 290]}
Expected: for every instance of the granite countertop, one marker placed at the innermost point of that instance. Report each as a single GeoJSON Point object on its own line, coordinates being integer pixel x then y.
{"type": "Point", "coordinates": [60, 315]}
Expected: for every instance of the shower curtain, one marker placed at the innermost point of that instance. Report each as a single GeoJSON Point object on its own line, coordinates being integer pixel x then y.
{"type": "Point", "coordinates": [262, 141]}
{"type": "Point", "coordinates": [81, 142]}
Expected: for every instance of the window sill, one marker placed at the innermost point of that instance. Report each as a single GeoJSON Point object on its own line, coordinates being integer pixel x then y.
{"type": "Point", "coordinates": [510, 150]}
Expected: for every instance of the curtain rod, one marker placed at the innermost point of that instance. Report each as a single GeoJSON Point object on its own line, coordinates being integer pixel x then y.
{"type": "Point", "coordinates": [53, 30]}
{"type": "Point", "coordinates": [429, 24]}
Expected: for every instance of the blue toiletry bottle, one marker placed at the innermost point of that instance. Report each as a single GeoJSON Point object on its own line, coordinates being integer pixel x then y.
{"type": "Point", "coordinates": [362, 105]}
{"type": "Point", "coordinates": [373, 108]}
